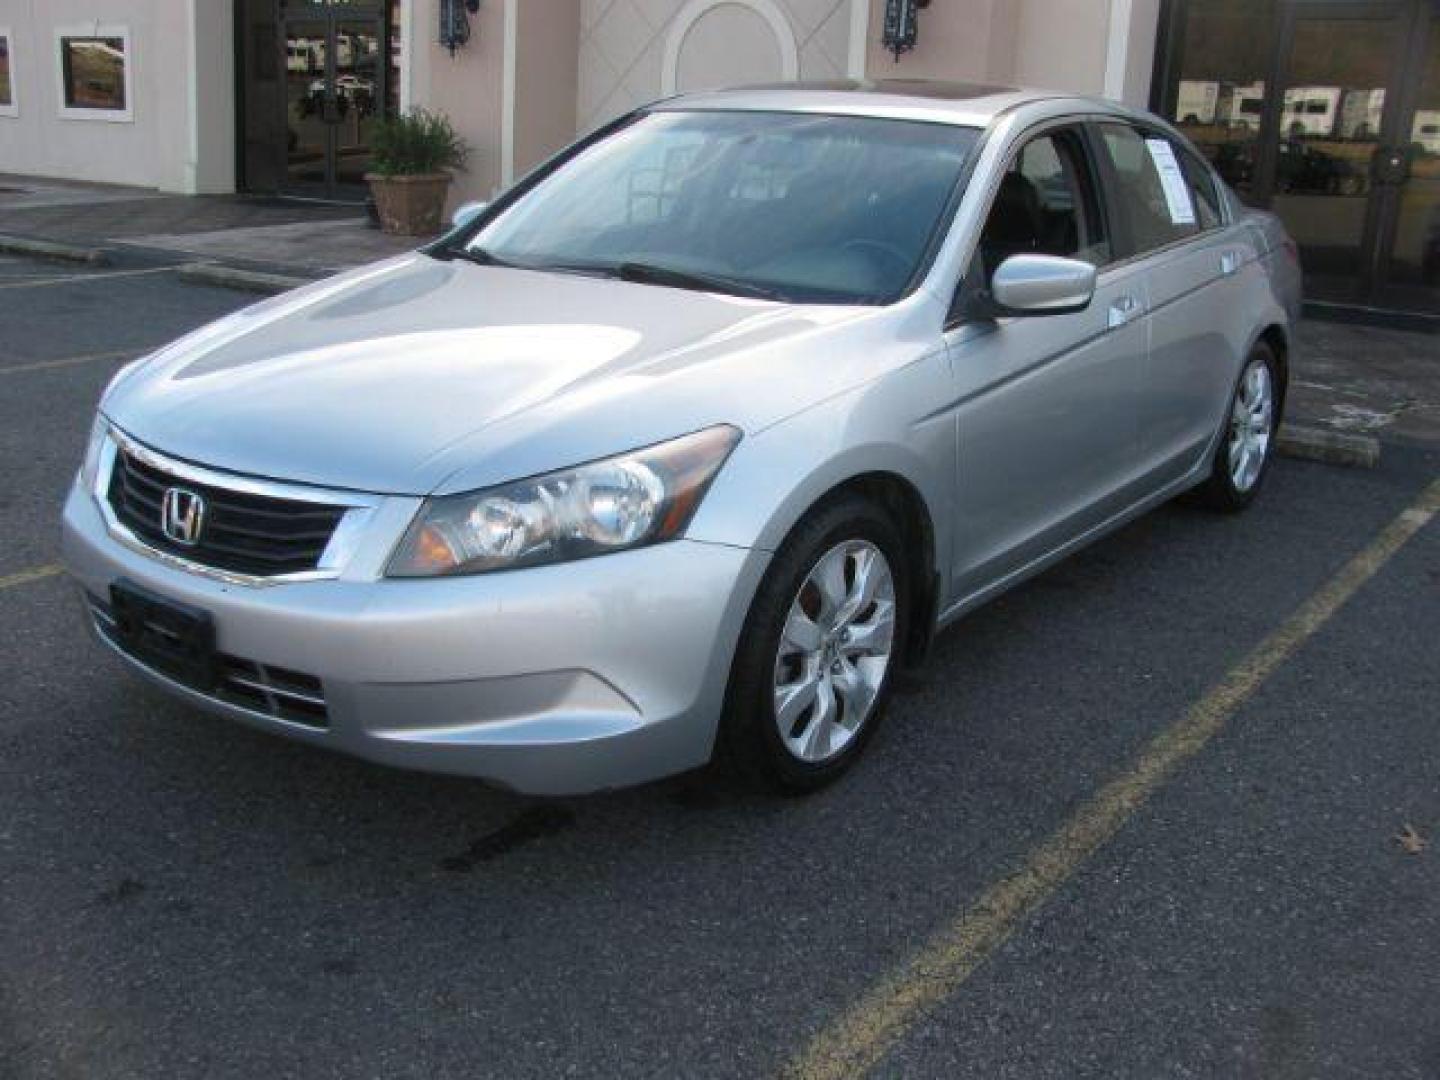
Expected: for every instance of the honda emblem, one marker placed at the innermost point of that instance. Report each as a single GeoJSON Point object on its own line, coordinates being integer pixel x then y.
{"type": "Point", "coordinates": [182, 516]}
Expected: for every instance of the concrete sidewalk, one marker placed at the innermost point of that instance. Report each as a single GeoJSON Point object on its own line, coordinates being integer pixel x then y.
{"type": "Point", "coordinates": [1347, 379]}
{"type": "Point", "coordinates": [307, 239]}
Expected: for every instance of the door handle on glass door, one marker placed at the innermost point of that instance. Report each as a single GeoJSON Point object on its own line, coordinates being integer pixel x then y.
{"type": "Point", "coordinates": [1122, 310]}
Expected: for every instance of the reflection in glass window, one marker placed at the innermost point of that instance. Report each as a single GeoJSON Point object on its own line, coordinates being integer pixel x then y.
{"type": "Point", "coordinates": [1225, 51]}
{"type": "Point", "coordinates": [7, 91]}
{"type": "Point", "coordinates": [93, 70]}
{"type": "Point", "coordinates": [820, 209]}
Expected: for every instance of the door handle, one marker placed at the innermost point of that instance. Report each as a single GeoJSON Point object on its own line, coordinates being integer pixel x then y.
{"type": "Point", "coordinates": [1229, 262]}
{"type": "Point", "coordinates": [1122, 310]}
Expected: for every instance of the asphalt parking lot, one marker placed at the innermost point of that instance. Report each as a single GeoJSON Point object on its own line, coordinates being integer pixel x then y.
{"type": "Point", "coordinates": [1168, 810]}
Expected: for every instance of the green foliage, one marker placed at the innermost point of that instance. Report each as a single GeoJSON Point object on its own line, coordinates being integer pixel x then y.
{"type": "Point", "coordinates": [414, 143]}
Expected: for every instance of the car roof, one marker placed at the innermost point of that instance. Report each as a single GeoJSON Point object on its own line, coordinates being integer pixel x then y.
{"type": "Point", "coordinates": [970, 104]}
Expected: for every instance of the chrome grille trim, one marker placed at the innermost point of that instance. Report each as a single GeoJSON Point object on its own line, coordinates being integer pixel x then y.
{"type": "Point", "coordinates": [344, 539]}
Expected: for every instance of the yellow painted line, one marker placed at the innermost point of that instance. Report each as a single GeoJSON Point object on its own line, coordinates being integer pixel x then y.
{"type": "Point", "coordinates": [73, 279]}
{"type": "Point", "coordinates": [70, 361]}
{"type": "Point", "coordinates": [860, 1037]}
{"type": "Point", "coordinates": [36, 573]}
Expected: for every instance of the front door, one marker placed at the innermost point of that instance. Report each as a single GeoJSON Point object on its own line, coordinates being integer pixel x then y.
{"type": "Point", "coordinates": [335, 74]}
{"type": "Point", "coordinates": [1047, 414]}
{"type": "Point", "coordinates": [1350, 165]}
{"type": "Point", "coordinates": [316, 76]}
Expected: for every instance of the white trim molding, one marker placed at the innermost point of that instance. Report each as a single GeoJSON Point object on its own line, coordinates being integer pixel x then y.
{"type": "Point", "coordinates": [95, 30]}
{"type": "Point", "coordinates": [1117, 48]}
{"type": "Point", "coordinates": [859, 35]}
{"type": "Point", "coordinates": [686, 18]}
{"type": "Point", "coordinates": [407, 56]}
{"type": "Point", "coordinates": [507, 93]}
{"type": "Point", "coordinates": [12, 107]}
{"type": "Point", "coordinates": [191, 182]}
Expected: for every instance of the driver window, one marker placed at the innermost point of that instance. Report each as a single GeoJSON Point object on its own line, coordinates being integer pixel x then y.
{"type": "Point", "coordinates": [1045, 206]}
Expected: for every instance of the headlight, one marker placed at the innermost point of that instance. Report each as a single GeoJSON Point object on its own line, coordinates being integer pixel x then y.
{"type": "Point", "coordinates": [638, 498]}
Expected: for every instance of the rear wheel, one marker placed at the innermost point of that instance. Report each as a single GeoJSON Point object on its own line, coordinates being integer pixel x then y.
{"type": "Point", "coordinates": [1243, 455]}
{"type": "Point", "coordinates": [824, 635]}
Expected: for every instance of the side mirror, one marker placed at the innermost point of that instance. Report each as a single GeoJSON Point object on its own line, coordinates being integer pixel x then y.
{"type": "Point", "coordinates": [467, 212]}
{"type": "Point", "coordinates": [1040, 285]}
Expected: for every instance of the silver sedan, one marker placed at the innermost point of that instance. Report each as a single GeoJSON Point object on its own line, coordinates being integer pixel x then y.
{"type": "Point", "coordinates": [690, 440]}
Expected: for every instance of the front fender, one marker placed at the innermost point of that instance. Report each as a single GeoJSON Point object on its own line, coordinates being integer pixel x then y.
{"type": "Point", "coordinates": [775, 476]}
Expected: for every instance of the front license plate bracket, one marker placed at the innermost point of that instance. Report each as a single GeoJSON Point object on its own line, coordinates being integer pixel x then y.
{"type": "Point", "coordinates": [176, 639]}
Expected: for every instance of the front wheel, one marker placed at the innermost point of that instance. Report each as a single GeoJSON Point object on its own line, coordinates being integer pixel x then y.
{"type": "Point", "coordinates": [1246, 443]}
{"type": "Point", "coordinates": [813, 668]}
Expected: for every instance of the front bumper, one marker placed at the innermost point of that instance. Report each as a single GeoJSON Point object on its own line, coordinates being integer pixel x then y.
{"type": "Point", "coordinates": [552, 680]}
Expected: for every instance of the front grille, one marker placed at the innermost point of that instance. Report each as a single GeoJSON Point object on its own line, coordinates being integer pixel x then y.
{"type": "Point", "coordinates": [282, 693]}
{"type": "Point", "coordinates": [246, 533]}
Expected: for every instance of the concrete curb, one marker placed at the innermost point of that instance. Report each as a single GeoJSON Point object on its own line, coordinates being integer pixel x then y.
{"type": "Point", "coordinates": [230, 277]}
{"type": "Point", "coordinates": [1330, 447]}
{"type": "Point", "coordinates": [48, 249]}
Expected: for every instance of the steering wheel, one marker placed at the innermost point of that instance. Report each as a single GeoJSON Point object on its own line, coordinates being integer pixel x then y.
{"type": "Point", "coordinates": [899, 259]}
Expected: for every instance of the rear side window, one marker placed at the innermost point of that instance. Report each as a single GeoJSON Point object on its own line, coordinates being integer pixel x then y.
{"type": "Point", "coordinates": [1153, 196]}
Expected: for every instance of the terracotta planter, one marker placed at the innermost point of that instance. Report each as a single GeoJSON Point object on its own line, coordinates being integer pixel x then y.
{"type": "Point", "coordinates": [410, 205]}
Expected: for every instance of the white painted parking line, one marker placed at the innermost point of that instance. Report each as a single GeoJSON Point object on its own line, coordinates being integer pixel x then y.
{"type": "Point", "coordinates": [24, 577]}
{"type": "Point", "coordinates": [857, 1041]}
{"type": "Point", "coordinates": [78, 279]}
{"type": "Point", "coordinates": [71, 361]}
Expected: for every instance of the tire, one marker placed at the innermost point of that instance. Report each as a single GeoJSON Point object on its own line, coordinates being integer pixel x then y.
{"type": "Point", "coordinates": [848, 532]}
{"type": "Point", "coordinates": [1231, 488]}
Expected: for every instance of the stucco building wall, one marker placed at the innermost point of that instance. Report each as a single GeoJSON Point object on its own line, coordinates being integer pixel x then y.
{"type": "Point", "coordinates": [537, 72]}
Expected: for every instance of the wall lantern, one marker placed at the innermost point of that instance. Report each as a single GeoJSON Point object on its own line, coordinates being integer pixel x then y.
{"type": "Point", "coordinates": [901, 25]}
{"type": "Point", "coordinates": [455, 22]}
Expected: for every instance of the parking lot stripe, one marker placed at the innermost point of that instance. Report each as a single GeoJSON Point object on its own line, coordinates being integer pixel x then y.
{"type": "Point", "coordinates": [861, 1036]}
{"type": "Point", "coordinates": [72, 279]}
{"type": "Point", "coordinates": [69, 361]}
{"type": "Point", "coordinates": [35, 573]}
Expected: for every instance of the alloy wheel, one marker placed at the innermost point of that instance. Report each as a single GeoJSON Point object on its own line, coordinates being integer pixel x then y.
{"type": "Point", "coordinates": [834, 651]}
{"type": "Point", "coordinates": [1251, 422]}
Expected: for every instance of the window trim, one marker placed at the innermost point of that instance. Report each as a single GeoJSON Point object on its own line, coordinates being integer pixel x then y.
{"type": "Point", "coordinates": [1196, 161]}
{"type": "Point", "coordinates": [95, 30]}
{"type": "Point", "coordinates": [12, 107]}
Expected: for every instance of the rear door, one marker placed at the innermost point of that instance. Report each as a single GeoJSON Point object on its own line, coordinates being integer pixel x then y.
{"type": "Point", "coordinates": [1169, 221]}
{"type": "Point", "coordinates": [1047, 406]}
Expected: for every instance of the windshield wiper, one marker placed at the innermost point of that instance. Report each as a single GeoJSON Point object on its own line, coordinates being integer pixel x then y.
{"type": "Point", "coordinates": [638, 272]}
{"type": "Point", "coordinates": [649, 274]}
{"type": "Point", "coordinates": [476, 255]}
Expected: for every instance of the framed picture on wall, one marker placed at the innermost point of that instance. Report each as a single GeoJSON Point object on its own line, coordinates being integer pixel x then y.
{"type": "Point", "coordinates": [9, 105]}
{"type": "Point", "coordinates": [95, 72]}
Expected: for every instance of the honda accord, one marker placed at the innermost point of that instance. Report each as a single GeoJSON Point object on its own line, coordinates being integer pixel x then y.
{"type": "Point", "coordinates": [691, 439]}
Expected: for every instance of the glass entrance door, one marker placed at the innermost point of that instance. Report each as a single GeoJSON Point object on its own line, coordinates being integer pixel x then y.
{"type": "Point", "coordinates": [337, 67]}
{"type": "Point", "coordinates": [1333, 121]}
{"type": "Point", "coordinates": [359, 99]}
{"type": "Point", "coordinates": [1411, 260]}
{"type": "Point", "coordinates": [1328, 113]}
{"type": "Point", "coordinates": [307, 131]}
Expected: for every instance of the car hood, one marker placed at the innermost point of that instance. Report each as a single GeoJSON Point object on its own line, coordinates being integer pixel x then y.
{"type": "Point", "coordinates": [417, 375]}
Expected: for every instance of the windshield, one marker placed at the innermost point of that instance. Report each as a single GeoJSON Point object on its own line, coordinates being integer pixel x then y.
{"type": "Point", "coordinates": [805, 208]}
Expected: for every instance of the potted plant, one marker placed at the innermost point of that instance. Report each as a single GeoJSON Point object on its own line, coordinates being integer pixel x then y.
{"type": "Point", "coordinates": [412, 156]}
